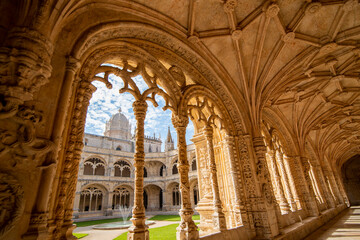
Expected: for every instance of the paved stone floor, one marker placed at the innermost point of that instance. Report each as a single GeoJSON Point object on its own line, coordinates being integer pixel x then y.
{"type": "Point", "coordinates": [345, 226]}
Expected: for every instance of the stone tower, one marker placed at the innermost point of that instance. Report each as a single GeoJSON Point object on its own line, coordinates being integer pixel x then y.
{"type": "Point", "coordinates": [169, 143]}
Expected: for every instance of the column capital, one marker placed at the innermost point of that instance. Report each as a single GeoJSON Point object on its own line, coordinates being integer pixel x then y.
{"type": "Point", "coordinates": [208, 131]}
{"type": "Point", "coordinates": [180, 121]}
{"type": "Point", "coordinates": [140, 108]}
{"type": "Point", "coordinates": [72, 64]}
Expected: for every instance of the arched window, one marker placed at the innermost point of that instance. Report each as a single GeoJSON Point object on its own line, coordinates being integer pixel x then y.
{"type": "Point", "coordinates": [150, 148]}
{"type": "Point", "coordinates": [196, 194]}
{"type": "Point", "coordinates": [176, 195]}
{"type": "Point", "coordinates": [163, 170]}
{"type": "Point", "coordinates": [94, 166]}
{"type": "Point", "coordinates": [122, 169]}
{"type": "Point", "coordinates": [174, 168]}
{"type": "Point", "coordinates": [86, 141]}
{"type": "Point", "coordinates": [118, 148]}
{"type": "Point", "coordinates": [90, 199]}
{"type": "Point", "coordinates": [193, 165]}
{"type": "Point", "coordinates": [121, 198]}
{"type": "Point", "coordinates": [145, 172]}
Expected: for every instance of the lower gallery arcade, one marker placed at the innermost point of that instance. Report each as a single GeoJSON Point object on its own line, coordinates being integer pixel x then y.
{"type": "Point", "coordinates": [271, 87]}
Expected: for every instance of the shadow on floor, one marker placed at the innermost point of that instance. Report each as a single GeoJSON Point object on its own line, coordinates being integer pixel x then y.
{"type": "Point", "coordinates": [344, 226]}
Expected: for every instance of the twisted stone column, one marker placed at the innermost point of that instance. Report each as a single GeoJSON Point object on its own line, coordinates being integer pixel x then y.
{"type": "Point", "coordinates": [284, 205]}
{"type": "Point", "coordinates": [218, 215]}
{"type": "Point", "coordinates": [285, 178]}
{"type": "Point", "coordinates": [139, 230]}
{"type": "Point", "coordinates": [187, 228]}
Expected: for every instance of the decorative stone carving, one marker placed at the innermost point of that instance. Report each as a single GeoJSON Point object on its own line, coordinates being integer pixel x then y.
{"type": "Point", "coordinates": [25, 65]}
{"type": "Point", "coordinates": [229, 5]}
{"type": "Point", "coordinates": [312, 8]}
{"type": "Point", "coordinates": [11, 202]}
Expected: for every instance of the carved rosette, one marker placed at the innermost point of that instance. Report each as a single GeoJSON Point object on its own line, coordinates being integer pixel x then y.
{"type": "Point", "coordinates": [25, 65]}
{"type": "Point", "coordinates": [11, 202]}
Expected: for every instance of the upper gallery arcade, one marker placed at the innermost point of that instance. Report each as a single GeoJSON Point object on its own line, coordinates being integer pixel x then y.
{"type": "Point", "coordinates": [272, 88]}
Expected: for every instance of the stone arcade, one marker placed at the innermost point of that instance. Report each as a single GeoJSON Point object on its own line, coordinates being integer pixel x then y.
{"type": "Point", "coordinates": [106, 173]}
{"type": "Point", "coordinates": [272, 88]}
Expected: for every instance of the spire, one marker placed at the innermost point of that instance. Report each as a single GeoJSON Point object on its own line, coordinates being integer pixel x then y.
{"type": "Point", "coordinates": [169, 138]}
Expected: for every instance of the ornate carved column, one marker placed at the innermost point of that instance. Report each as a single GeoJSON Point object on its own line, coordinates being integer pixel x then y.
{"type": "Point", "coordinates": [284, 205]}
{"type": "Point", "coordinates": [308, 193]}
{"type": "Point", "coordinates": [139, 230]}
{"type": "Point", "coordinates": [289, 166]}
{"type": "Point", "coordinates": [266, 224]}
{"type": "Point", "coordinates": [187, 228]}
{"type": "Point", "coordinates": [285, 178]}
{"type": "Point", "coordinates": [25, 59]}
{"type": "Point", "coordinates": [229, 144]}
{"type": "Point", "coordinates": [65, 200]}
{"type": "Point", "coordinates": [218, 215]}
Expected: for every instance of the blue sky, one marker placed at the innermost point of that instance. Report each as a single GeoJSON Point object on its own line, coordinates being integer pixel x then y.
{"type": "Point", "coordinates": [106, 102]}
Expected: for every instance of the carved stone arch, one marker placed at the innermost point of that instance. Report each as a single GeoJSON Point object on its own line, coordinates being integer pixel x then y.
{"type": "Point", "coordinates": [102, 187]}
{"type": "Point", "coordinates": [153, 184]}
{"type": "Point", "coordinates": [124, 185]}
{"type": "Point", "coordinates": [290, 143]}
{"type": "Point", "coordinates": [197, 90]}
{"type": "Point", "coordinates": [161, 43]}
{"type": "Point", "coordinates": [170, 185]}
{"type": "Point", "coordinates": [124, 160]}
{"type": "Point", "coordinates": [113, 51]}
{"type": "Point", "coordinates": [97, 157]}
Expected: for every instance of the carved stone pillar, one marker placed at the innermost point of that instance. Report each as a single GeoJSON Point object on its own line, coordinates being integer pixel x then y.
{"type": "Point", "coordinates": [308, 193]}
{"type": "Point", "coordinates": [229, 145]}
{"type": "Point", "coordinates": [285, 179]}
{"type": "Point", "coordinates": [266, 224]}
{"type": "Point", "coordinates": [139, 230]}
{"type": "Point", "coordinates": [218, 215]}
{"type": "Point", "coordinates": [64, 212]}
{"type": "Point", "coordinates": [187, 228]}
{"type": "Point", "coordinates": [284, 205]}
{"type": "Point", "coordinates": [289, 167]}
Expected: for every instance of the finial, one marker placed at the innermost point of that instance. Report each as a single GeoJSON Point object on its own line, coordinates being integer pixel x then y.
{"type": "Point", "coordinates": [119, 109]}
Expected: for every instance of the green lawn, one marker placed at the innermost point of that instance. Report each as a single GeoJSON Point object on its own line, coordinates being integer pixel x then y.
{"type": "Point", "coordinates": [171, 217]}
{"type": "Point", "coordinates": [95, 222]}
{"type": "Point", "coordinates": [80, 235]}
{"type": "Point", "coordinates": [161, 233]}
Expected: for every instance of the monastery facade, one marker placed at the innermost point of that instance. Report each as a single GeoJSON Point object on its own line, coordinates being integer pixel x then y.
{"type": "Point", "coordinates": [106, 173]}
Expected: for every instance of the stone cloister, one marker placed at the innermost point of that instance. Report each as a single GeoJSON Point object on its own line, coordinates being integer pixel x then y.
{"type": "Point", "coordinates": [272, 88]}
